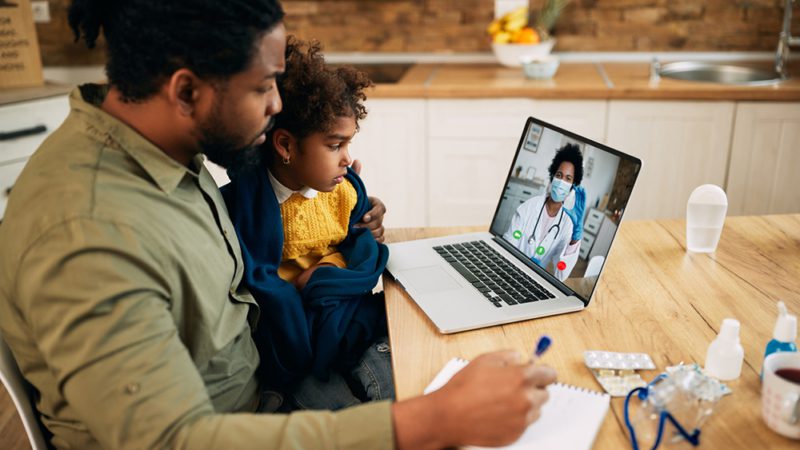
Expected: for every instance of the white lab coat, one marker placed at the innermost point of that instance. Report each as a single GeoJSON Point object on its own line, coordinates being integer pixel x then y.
{"type": "Point", "coordinates": [525, 219]}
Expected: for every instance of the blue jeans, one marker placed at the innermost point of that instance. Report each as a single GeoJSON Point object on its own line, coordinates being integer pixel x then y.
{"type": "Point", "coordinates": [371, 379]}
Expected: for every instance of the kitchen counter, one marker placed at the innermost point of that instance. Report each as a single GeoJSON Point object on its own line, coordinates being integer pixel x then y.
{"type": "Point", "coordinates": [50, 89]}
{"type": "Point", "coordinates": [574, 80]}
{"type": "Point", "coordinates": [612, 78]}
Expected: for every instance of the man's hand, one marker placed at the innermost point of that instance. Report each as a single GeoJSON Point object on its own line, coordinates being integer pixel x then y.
{"type": "Point", "coordinates": [488, 403]}
{"type": "Point", "coordinates": [373, 219]}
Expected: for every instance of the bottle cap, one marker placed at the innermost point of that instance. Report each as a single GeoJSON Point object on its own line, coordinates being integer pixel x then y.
{"type": "Point", "coordinates": [708, 194]}
{"type": "Point", "coordinates": [729, 330]}
{"type": "Point", "coordinates": [785, 326]}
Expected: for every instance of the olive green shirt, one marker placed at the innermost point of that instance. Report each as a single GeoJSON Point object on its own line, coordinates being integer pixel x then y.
{"type": "Point", "coordinates": [120, 300]}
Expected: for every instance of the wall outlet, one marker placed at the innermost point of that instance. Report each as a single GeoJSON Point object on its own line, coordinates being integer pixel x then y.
{"type": "Point", "coordinates": [41, 11]}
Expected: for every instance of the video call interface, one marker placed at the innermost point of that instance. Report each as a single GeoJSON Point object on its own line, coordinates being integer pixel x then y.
{"type": "Point", "coordinates": [562, 205]}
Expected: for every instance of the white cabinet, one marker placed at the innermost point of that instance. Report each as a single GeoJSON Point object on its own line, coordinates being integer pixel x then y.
{"type": "Point", "coordinates": [471, 144]}
{"type": "Point", "coordinates": [23, 127]}
{"type": "Point", "coordinates": [682, 145]}
{"type": "Point", "coordinates": [765, 159]}
{"type": "Point", "coordinates": [391, 146]}
{"type": "Point", "coordinates": [602, 240]}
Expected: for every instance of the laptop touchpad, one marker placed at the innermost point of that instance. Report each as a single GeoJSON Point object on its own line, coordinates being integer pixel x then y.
{"type": "Point", "coordinates": [430, 279]}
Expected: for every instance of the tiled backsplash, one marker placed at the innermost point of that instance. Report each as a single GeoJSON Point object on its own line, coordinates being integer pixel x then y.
{"type": "Point", "coordinates": [458, 26]}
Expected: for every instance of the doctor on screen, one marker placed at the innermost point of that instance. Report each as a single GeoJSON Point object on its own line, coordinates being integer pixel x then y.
{"type": "Point", "coordinates": [543, 228]}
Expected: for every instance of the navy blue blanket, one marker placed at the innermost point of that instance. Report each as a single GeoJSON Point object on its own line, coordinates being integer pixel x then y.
{"type": "Point", "coordinates": [327, 326]}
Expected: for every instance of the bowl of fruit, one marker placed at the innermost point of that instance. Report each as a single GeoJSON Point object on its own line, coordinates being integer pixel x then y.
{"type": "Point", "coordinates": [515, 37]}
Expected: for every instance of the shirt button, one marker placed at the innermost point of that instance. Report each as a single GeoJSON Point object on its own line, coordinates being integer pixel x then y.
{"type": "Point", "coordinates": [132, 388]}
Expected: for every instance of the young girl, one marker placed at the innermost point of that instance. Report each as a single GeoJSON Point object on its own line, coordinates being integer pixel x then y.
{"type": "Point", "coordinates": [309, 268]}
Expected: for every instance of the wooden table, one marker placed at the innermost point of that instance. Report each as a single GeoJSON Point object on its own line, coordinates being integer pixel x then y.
{"type": "Point", "coordinates": [653, 297]}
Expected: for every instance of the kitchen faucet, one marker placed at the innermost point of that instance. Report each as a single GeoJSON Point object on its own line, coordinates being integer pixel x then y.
{"type": "Point", "coordinates": [785, 40]}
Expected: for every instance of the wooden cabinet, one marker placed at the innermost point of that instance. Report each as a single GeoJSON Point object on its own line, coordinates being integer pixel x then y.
{"type": "Point", "coordinates": [682, 145]}
{"type": "Point", "coordinates": [765, 159]}
{"type": "Point", "coordinates": [471, 144]}
{"type": "Point", "coordinates": [23, 127]}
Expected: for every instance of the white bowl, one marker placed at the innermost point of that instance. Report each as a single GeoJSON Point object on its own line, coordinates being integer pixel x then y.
{"type": "Point", "coordinates": [509, 54]}
{"type": "Point", "coordinates": [540, 68]}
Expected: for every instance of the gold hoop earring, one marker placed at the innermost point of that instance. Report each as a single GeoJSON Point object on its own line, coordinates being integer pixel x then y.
{"type": "Point", "coordinates": [286, 160]}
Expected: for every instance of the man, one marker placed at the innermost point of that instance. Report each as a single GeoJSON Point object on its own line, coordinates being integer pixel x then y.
{"type": "Point", "coordinates": [120, 272]}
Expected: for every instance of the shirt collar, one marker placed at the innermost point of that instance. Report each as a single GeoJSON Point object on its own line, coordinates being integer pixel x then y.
{"type": "Point", "coordinates": [162, 169]}
{"type": "Point", "coordinates": [282, 193]}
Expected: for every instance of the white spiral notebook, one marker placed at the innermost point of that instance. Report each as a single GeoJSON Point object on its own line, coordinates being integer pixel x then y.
{"type": "Point", "coordinates": [570, 419]}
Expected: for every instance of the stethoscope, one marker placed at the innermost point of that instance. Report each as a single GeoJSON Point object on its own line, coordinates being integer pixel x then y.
{"type": "Point", "coordinates": [541, 249]}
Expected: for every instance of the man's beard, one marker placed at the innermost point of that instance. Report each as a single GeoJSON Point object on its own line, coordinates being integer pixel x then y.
{"type": "Point", "coordinates": [224, 149]}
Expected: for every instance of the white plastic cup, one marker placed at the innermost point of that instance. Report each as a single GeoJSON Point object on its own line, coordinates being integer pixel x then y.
{"type": "Point", "coordinates": [705, 216]}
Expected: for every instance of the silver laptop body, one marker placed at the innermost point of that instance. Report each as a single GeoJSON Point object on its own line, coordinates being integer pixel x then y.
{"type": "Point", "coordinates": [438, 284]}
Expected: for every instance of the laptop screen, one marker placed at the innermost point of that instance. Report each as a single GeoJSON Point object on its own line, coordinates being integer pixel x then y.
{"type": "Point", "coordinates": [563, 202]}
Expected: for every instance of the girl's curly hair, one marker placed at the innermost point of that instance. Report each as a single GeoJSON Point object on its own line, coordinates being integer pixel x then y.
{"type": "Point", "coordinates": [314, 94]}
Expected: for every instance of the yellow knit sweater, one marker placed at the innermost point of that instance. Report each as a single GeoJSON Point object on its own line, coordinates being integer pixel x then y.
{"type": "Point", "coordinates": [312, 227]}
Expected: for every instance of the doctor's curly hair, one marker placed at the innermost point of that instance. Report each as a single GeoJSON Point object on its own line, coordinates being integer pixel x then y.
{"type": "Point", "coordinates": [315, 94]}
{"type": "Point", "coordinates": [148, 40]}
{"type": "Point", "coordinates": [570, 153]}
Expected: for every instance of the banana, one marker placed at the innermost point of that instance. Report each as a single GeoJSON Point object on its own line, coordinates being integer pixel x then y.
{"type": "Point", "coordinates": [501, 38]}
{"type": "Point", "coordinates": [515, 15]}
{"type": "Point", "coordinates": [503, 28]}
{"type": "Point", "coordinates": [516, 24]}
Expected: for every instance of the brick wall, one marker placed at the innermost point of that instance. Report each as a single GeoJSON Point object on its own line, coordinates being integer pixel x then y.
{"type": "Point", "coordinates": [458, 26]}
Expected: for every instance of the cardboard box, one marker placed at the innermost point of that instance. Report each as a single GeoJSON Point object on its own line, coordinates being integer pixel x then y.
{"type": "Point", "coordinates": [20, 62]}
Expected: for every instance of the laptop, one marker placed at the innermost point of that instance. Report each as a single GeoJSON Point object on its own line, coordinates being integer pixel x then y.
{"type": "Point", "coordinates": [529, 264]}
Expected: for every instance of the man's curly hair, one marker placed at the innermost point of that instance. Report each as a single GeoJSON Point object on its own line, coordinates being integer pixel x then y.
{"type": "Point", "coordinates": [148, 40]}
{"type": "Point", "coordinates": [314, 94]}
{"type": "Point", "coordinates": [570, 153]}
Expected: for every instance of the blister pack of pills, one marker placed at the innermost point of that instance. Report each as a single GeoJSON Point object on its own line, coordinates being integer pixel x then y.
{"type": "Point", "coordinates": [618, 382]}
{"type": "Point", "coordinates": [596, 359]}
{"type": "Point", "coordinates": [616, 371]}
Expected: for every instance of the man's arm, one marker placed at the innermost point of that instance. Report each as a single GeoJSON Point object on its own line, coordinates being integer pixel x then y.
{"type": "Point", "coordinates": [465, 412]}
{"type": "Point", "coordinates": [100, 315]}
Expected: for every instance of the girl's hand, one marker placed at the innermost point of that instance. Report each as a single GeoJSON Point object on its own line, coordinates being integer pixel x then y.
{"type": "Point", "coordinates": [302, 279]}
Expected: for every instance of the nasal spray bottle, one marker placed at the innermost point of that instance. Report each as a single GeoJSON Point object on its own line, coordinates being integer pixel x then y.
{"type": "Point", "coordinates": [784, 335]}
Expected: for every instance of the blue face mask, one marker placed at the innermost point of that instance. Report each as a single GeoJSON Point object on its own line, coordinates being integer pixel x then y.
{"type": "Point", "coordinates": [559, 190]}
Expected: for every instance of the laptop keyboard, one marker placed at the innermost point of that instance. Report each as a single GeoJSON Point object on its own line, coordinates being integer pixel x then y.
{"type": "Point", "coordinates": [501, 282]}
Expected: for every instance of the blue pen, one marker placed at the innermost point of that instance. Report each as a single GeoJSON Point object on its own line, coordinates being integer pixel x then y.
{"type": "Point", "coordinates": [541, 347]}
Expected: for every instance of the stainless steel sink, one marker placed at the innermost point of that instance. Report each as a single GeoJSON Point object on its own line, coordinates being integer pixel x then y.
{"type": "Point", "coordinates": [719, 73]}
